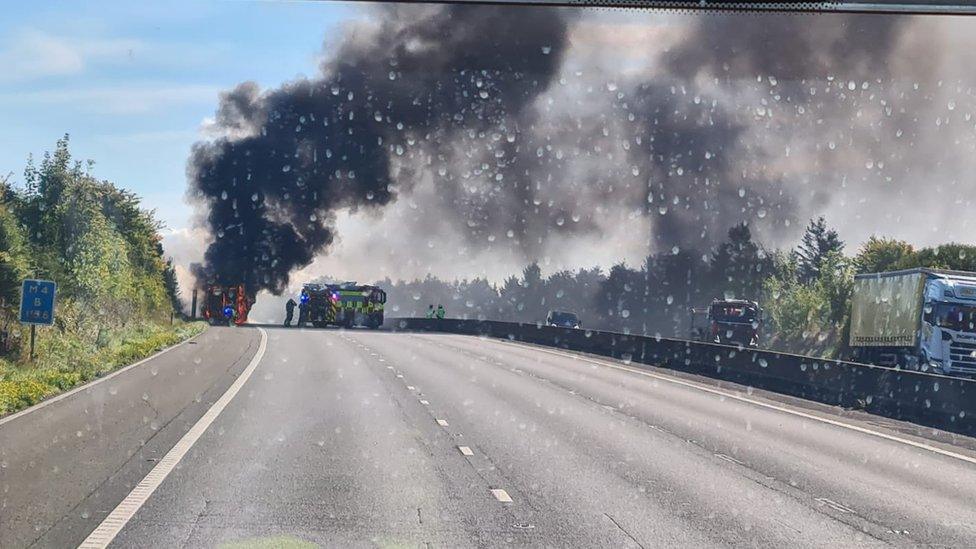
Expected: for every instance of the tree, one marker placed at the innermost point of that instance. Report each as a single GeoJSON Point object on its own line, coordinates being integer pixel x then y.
{"type": "Point", "coordinates": [739, 265]}
{"type": "Point", "coordinates": [14, 265]}
{"type": "Point", "coordinates": [884, 254]}
{"type": "Point", "coordinates": [818, 242]}
{"type": "Point", "coordinates": [172, 287]}
{"type": "Point", "coordinates": [959, 257]}
{"type": "Point", "coordinates": [622, 296]}
{"type": "Point", "coordinates": [809, 317]}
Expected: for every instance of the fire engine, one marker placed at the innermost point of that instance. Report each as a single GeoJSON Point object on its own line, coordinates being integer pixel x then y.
{"type": "Point", "coordinates": [345, 305]}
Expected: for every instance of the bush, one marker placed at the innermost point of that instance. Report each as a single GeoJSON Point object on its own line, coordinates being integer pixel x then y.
{"type": "Point", "coordinates": [809, 318]}
{"type": "Point", "coordinates": [68, 361]}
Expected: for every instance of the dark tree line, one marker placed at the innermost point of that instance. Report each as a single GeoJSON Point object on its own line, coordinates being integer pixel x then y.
{"type": "Point", "coordinates": [805, 291]}
{"type": "Point", "coordinates": [654, 297]}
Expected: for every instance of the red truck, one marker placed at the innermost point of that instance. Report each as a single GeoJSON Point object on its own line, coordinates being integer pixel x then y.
{"type": "Point", "coordinates": [226, 304]}
{"type": "Point", "coordinates": [729, 321]}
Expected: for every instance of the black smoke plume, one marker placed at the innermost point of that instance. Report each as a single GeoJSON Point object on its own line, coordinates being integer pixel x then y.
{"type": "Point", "coordinates": [479, 104]}
{"type": "Point", "coordinates": [289, 158]}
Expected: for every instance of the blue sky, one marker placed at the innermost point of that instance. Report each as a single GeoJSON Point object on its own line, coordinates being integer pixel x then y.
{"type": "Point", "coordinates": [133, 81]}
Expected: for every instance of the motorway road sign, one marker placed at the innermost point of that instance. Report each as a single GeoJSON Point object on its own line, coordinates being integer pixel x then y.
{"type": "Point", "coordinates": [37, 302]}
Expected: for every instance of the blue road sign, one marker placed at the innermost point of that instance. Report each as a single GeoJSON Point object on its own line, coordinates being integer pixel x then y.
{"type": "Point", "coordinates": [37, 302]}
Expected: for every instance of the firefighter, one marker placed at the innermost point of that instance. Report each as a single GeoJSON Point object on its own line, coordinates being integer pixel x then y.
{"type": "Point", "coordinates": [289, 311]}
{"type": "Point", "coordinates": [430, 311]}
{"type": "Point", "coordinates": [303, 309]}
{"type": "Point", "coordinates": [441, 312]}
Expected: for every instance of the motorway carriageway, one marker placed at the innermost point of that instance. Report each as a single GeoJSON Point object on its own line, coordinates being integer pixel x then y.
{"type": "Point", "coordinates": [271, 436]}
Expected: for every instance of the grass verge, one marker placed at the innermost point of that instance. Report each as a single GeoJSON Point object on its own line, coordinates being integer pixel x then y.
{"type": "Point", "coordinates": [65, 361]}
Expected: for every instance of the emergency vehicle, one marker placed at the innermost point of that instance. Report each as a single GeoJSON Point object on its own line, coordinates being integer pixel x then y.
{"type": "Point", "coordinates": [345, 305]}
{"type": "Point", "coordinates": [226, 304]}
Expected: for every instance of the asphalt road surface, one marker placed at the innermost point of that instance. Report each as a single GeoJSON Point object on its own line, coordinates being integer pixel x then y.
{"type": "Point", "coordinates": [358, 438]}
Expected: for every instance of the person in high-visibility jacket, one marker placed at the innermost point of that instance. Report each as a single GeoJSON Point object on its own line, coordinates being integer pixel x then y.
{"type": "Point", "coordinates": [430, 311]}
{"type": "Point", "coordinates": [441, 312]}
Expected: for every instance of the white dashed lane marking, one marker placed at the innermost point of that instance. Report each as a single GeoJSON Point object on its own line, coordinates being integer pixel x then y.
{"type": "Point", "coordinates": [465, 451]}
{"type": "Point", "coordinates": [410, 387]}
{"type": "Point", "coordinates": [442, 422]}
{"type": "Point", "coordinates": [425, 403]}
{"type": "Point", "coordinates": [501, 495]}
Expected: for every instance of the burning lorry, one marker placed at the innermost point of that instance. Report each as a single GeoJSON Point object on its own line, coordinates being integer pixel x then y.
{"type": "Point", "coordinates": [226, 304]}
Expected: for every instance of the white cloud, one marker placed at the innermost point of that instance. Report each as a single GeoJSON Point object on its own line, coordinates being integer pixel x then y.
{"type": "Point", "coordinates": [119, 99]}
{"type": "Point", "coordinates": [31, 53]}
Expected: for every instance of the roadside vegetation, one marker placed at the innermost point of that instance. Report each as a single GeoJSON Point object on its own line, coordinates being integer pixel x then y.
{"type": "Point", "coordinates": [805, 292]}
{"type": "Point", "coordinates": [117, 299]}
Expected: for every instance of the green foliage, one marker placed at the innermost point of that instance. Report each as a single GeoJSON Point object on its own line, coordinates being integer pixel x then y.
{"type": "Point", "coordinates": [14, 264]}
{"type": "Point", "coordinates": [65, 361]}
{"type": "Point", "coordinates": [116, 292]}
{"type": "Point", "coordinates": [809, 316]}
{"type": "Point", "coordinates": [958, 257]}
{"type": "Point", "coordinates": [818, 242]}
{"type": "Point", "coordinates": [95, 241]}
{"type": "Point", "coordinates": [884, 254]}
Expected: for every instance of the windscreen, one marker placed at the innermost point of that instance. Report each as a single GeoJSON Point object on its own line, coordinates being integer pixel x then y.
{"type": "Point", "coordinates": [299, 265]}
{"type": "Point", "coordinates": [564, 318]}
{"type": "Point", "coordinates": [956, 317]}
{"type": "Point", "coordinates": [734, 313]}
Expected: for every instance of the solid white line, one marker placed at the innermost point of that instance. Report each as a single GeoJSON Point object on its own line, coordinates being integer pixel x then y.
{"type": "Point", "coordinates": [836, 506]}
{"type": "Point", "coordinates": [465, 451]}
{"type": "Point", "coordinates": [410, 387]}
{"type": "Point", "coordinates": [501, 495]}
{"type": "Point", "coordinates": [105, 532]}
{"type": "Point", "coordinates": [442, 422]}
{"type": "Point", "coordinates": [92, 383]}
{"type": "Point", "coordinates": [734, 396]}
{"type": "Point", "coordinates": [424, 402]}
{"type": "Point", "coordinates": [729, 458]}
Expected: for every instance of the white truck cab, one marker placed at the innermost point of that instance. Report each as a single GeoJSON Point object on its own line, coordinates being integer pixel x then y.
{"type": "Point", "coordinates": [917, 319]}
{"type": "Point", "coordinates": [947, 342]}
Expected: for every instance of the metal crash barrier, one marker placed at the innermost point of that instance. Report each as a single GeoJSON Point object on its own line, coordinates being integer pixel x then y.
{"type": "Point", "coordinates": [943, 402]}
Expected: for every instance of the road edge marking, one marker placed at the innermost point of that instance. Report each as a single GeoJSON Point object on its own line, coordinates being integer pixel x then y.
{"type": "Point", "coordinates": [111, 525]}
{"type": "Point", "coordinates": [734, 396]}
{"type": "Point", "coordinates": [92, 383]}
